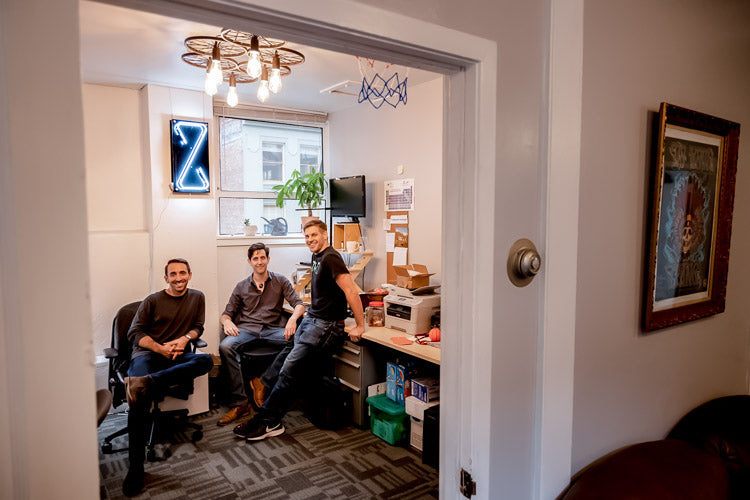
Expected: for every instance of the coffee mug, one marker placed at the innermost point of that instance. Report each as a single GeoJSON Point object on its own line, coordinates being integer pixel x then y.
{"type": "Point", "coordinates": [351, 246]}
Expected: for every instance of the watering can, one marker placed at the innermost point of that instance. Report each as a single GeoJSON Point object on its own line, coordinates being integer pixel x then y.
{"type": "Point", "coordinates": [276, 227]}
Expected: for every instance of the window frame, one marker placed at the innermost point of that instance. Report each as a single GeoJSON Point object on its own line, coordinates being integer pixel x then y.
{"type": "Point", "coordinates": [319, 120]}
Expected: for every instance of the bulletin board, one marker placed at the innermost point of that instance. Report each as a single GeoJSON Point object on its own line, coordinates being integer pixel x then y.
{"type": "Point", "coordinates": [400, 231]}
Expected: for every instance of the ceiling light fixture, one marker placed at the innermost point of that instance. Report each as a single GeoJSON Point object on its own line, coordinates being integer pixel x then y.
{"type": "Point", "coordinates": [239, 57]}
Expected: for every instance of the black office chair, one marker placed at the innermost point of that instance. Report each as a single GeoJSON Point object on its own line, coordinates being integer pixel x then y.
{"type": "Point", "coordinates": [119, 360]}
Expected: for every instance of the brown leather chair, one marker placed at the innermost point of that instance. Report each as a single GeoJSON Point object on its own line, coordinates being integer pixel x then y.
{"type": "Point", "coordinates": [705, 456]}
{"type": "Point", "coordinates": [669, 469]}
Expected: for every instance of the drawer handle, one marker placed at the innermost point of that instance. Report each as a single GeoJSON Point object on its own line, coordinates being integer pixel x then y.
{"type": "Point", "coordinates": [346, 361]}
{"type": "Point", "coordinates": [350, 349]}
{"type": "Point", "coordinates": [350, 386]}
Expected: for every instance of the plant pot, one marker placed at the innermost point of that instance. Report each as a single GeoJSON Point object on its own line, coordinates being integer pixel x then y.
{"type": "Point", "coordinates": [251, 230]}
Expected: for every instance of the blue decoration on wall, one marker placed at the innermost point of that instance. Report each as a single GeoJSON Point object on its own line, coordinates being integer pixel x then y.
{"type": "Point", "coordinates": [189, 156]}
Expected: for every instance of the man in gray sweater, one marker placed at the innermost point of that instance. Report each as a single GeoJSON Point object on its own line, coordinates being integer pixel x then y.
{"type": "Point", "coordinates": [166, 321]}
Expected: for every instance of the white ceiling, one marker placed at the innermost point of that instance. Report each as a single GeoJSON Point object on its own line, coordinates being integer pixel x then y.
{"type": "Point", "coordinates": [130, 48]}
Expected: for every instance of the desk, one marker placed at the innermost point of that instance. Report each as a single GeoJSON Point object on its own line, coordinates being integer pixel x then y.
{"type": "Point", "coordinates": [357, 364]}
{"type": "Point", "coordinates": [382, 336]}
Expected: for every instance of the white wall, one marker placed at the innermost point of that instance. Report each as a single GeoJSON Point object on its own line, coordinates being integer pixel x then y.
{"type": "Point", "coordinates": [632, 387]}
{"type": "Point", "coordinates": [119, 255]}
{"type": "Point", "coordinates": [374, 142]}
{"type": "Point", "coordinates": [47, 422]}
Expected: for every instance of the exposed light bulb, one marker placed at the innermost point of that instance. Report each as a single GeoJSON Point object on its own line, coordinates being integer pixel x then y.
{"type": "Point", "coordinates": [215, 73]}
{"type": "Point", "coordinates": [274, 83]}
{"type": "Point", "coordinates": [263, 92]}
{"type": "Point", "coordinates": [215, 65]}
{"type": "Point", "coordinates": [254, 66]}
{"type": "Point", "coordinates": [210, 86]}
{"type": "Point", "coordinates": [232, 97]}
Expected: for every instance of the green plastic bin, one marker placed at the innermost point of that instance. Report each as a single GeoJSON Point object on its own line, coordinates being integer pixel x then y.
{"type": "Point", "coordinates": [388, 420]}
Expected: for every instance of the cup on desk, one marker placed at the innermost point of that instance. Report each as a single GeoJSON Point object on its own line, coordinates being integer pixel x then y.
{"type": "Point", "coordinates": [351, 246]}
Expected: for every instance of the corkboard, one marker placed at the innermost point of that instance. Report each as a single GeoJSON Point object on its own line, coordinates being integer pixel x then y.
{"type": "Point", "coordinates": [391, 276]}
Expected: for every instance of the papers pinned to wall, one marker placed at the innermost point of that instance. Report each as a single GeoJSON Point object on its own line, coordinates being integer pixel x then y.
{"type": "Point", "coordinates": [399, 195]}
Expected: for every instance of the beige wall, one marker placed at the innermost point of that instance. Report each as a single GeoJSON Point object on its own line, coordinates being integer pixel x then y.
{"type": "Point", "coordinates": [119, 256]}
{"type": "Point", "coordinates": [631, 387]}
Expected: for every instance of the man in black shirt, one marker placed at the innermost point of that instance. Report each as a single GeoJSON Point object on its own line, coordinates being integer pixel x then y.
{"type": "Point", "coordinates": [255, 313]}
{"type": "Point", "coordinates": [162, 327]}
{"type": "Point", "coordinates": [321, 332]}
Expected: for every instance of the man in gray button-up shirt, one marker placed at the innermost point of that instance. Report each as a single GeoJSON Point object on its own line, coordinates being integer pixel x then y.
{"type": "Point", "coordinates": [254, 312]}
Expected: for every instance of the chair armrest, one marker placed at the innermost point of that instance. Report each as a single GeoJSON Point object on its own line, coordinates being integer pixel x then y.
{"type": "Point", "coordinates": [110, 352]}
{"type": "Point", "coordinates": [199, 343]}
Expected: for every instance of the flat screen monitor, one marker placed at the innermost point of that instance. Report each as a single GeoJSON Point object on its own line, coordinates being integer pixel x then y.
{"type": "Point", "coordinates": [348, 196]}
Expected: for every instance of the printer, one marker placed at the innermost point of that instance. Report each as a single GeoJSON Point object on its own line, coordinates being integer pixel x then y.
{"type": "Point", "coordinates": [410, 311]}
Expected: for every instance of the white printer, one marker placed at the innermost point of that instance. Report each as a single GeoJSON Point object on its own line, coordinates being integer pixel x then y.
{"type": "Point", "coordinates": [410, 311]}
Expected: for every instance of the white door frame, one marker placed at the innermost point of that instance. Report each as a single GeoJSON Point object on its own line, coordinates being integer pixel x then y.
{"type": "Point", "coordinates": [469, 256]}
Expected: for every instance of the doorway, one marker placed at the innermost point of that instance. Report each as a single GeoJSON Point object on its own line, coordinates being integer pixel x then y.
{"type": "Point", "coordinates": [467, 188]}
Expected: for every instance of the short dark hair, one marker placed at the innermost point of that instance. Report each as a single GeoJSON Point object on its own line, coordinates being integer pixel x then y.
{"type": "Point", "coordinates": [176, 261]}
{"type": "Point", "coordinates": [316, 222]}
{"type": "Point", "coordinates": [255, 247]}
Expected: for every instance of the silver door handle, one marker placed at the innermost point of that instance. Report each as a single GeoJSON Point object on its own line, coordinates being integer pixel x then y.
{"type": "Point", "coordinates": [524, 262]}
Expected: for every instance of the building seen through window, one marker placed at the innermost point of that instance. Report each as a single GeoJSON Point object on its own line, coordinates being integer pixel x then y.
{"type": "Point", "coordinates": [254, 157]}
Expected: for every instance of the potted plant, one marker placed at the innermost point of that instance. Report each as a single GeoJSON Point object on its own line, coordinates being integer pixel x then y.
{"type": "Point", "coordinates": [250, 229]}
{"type": "Point", "coordinates": [306, 189]}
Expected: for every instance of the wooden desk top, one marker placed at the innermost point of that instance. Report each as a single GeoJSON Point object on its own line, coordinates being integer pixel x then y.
{"type": "Point", "coordinates": [382, 335]}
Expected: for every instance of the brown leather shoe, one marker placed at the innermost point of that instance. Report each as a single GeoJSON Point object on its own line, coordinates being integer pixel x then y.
{"type": "Point", "coordinates": [135, 388]}
{"type": "Point", "coordinates": [259, 392]}
{"type": "Point", "coordinates": [233, 414]}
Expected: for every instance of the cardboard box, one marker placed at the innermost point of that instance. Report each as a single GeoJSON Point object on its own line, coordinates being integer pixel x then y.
{"type": "Point", "coordinates": [397, 382]}
{"type": "Point", "coordinates": [426, 389]}
{"type": "Point", "coordinates": [375, 389]}
{"type": "Point", "coordinates": [416, 407]}
{"type": "Point", "coordinates": [412, 275]}
{"type": "Point", "coordinates": [417, 433]}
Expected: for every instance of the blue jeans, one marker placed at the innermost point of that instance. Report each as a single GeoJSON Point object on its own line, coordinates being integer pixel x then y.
{"type": "Point", "coordinates": [231, 348]}
{"type": "Point", "coordinates": [315, 340]}
{"type": "Point", "coordinates": [164, 373]}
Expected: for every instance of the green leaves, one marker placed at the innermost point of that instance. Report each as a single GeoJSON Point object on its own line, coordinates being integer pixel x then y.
{"type": "Point", "coordinates": [307, 189]}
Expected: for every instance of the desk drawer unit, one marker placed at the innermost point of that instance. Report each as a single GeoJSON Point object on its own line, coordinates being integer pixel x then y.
{"type": "Point", "coordinates": [355, 369]}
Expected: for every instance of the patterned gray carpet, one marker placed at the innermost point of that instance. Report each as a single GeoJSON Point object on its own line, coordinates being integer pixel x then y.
{"type": "Point", "coordinates": [303, 463]}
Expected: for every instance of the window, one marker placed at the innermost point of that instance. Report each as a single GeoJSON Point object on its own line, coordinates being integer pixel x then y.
{"type": "Point", "coordinates": [273, 162]}
{"type": "Point", "coordinates": [309, 158]}
{"type": "Point", "coordinates": [254, 157]}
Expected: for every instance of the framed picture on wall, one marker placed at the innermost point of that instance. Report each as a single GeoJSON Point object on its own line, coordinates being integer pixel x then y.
{"type": "Point", "coordinates": [690, 217]}
{"type": "Point", "coordinates": [189, 148]}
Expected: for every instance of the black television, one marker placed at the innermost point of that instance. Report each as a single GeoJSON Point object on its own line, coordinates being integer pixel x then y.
{"type": "Point", "coordinates": [348, 196]}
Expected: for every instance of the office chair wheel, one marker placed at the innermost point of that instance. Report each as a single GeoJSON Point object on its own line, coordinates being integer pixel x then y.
{"type": "Point", "coordinates": [107, 448]}
{"type": "Point", "coordinates": [197, 436]}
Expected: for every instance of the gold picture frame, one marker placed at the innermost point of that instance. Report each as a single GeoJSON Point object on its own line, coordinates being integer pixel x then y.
{"type": "Point", "coordinates": [690, 217]}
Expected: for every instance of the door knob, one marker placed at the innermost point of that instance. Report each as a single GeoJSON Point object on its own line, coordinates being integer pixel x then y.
{"type": "Point", "coordinates": [524, 262]}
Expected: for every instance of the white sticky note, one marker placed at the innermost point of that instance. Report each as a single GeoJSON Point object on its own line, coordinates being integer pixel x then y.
{"type": "Point", "coordinates": [390, 241]}
{"type": "Point", "coordinates": [387, 224]}
{"type": "Point", "coordinates": [399, 256]}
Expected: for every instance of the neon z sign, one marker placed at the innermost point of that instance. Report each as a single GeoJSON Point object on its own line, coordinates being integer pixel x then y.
{"type": "Point", "coordinates": [189, 156]}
